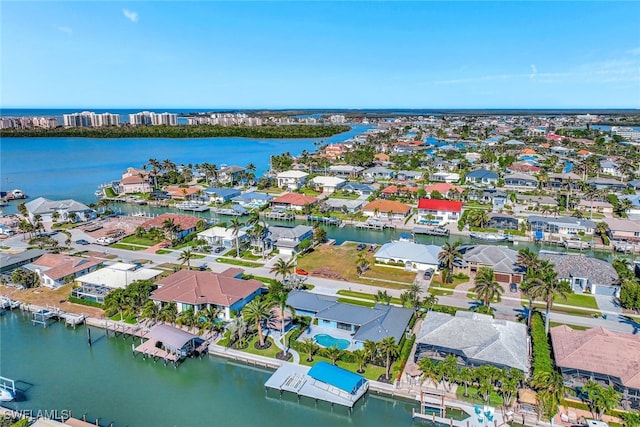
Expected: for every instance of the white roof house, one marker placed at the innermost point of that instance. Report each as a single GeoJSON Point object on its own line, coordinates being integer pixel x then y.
{"type": "Point", "coordinates": [66, 209]}
{"type": "Point", "coordinates": [291, 179]}
{"type": "Point", "coordinates": [329, 184]}
{"type": "Point", "coordinates": [478, 339]}
{"type": "Point", "coordinates": [118, 275]}
{"type": "Point", "coordinates": [220, 236]}
{"type": "Point", "coordinates": [414, 256]}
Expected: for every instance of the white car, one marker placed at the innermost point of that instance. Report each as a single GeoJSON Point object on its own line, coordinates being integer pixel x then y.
{"type": "Point", "coordinates": [105, 240]}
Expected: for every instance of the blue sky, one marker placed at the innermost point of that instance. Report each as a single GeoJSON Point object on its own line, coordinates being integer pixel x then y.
{"type": "Point", "coordinates": [320, 54]}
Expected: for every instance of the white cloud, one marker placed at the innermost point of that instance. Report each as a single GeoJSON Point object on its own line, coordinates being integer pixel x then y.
{"type": "Point", "coordinates": [130, 15]}
{"type": "Point", "coordinates": [67, 30]}
{"type": "Point", "coordinates": [534, 71]}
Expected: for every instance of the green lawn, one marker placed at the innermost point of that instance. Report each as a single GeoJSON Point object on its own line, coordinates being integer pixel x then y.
{"type": "Point", "coordinates": [371, 372]}
{"type": "Point", "coordinates": [163, 251]}
{"type": "Point", "coordinates": [343, 195]}
{"type": "Point", "coordinates": [494, 398]}
{"type": "Point", "coordinates": [456, 281]}
{"type": "Point", "coordinates": [130, 320]}
{"type": "Point", "coordinates": [126, 247]}
{"type": "Point", "coordinates": [356, 302]}
{"type": "Point", "coordinates": [140, 241]}
{"type": "Point", "coordinates": [238, 262]}
{"type": "Point", "coordinates": [364, 295]}
{"type": "Point", "coordinates": [566, 310]}
{"type": "Point", "coordinates": [269, 352]}
{"type": "Point", "coordinates": [310, 192]}
{"type": "Point", "coordinates": [440, 292]}
{"type": "Point", "coordinates": [578, 300]}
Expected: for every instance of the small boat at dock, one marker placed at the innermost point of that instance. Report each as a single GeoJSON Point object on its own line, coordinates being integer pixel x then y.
{"type": "Point", "coordinates": [488, 237]}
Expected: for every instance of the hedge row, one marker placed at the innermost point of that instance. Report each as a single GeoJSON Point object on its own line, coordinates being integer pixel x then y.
{"type": "Point", "coordinates": [541, 349]}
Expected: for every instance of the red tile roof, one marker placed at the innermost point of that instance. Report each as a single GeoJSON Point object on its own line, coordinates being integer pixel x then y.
{"type": "Point", "coordinates": [176, 191]}
{"type": "Point", "coordinates": [60, 266]}
{"type": "Point", "coordinates": [204, 287]}
{"type": "Point", "coordinates": [598, 350]}
{"type": "Point", "coordinates": [295, 199]}
{"type": "Point", "coordinates": [133, 180]}
{"type": "Point", "coordinates": [185, 222]}
{"type": "Point", "coordinates": [385, 206]}
{"type": "Point", "coordinates": [443, 188]}
{"type": "Point", "coordinates": [440, 205]}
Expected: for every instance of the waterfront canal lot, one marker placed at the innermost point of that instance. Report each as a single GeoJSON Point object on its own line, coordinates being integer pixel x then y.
{"type": "Point", "coordinates": [56, 369]}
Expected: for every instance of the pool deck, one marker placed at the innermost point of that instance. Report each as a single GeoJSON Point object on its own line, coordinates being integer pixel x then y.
{"type": "Point", "coordinates": [314, 330]}
{"type": "Point", "coordinates": [293, 378]}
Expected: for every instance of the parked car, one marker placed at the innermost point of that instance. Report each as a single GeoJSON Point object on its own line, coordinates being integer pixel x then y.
{"type": "Point", "coordinates": [82, 242]}
{"type": "Point", "coordinates": [219, 249]}
{"type": "Point", "coordinates": [105, 240]}
{"type": "Point", "coordinates": [428, 274]}
{"type": "Point", "coordinates": [513, 287]}
{"type": "Point", "coordinates": [362, 247]}
{"type": "Point", "coordinates": [302, 272]}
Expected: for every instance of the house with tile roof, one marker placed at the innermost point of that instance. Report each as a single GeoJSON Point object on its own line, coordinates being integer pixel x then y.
{"type": "Point", "coordinates": [135, 181]}
{"type": "Point", "coordinates": [624, 230]}
{"type": "Point", "coordinates": [293, 201]}
{"type": "Point", "coordinates": [585, 274]}
{"type": "Point", "coordinates": [438, 212]}
{"type": "Point", "coordinates": [474, 339]}
{"type": "Point", "coordinates": [443, 188]}
{"type": "Point", "coordinates": [503, 261]}
{"type": "Point", "coordinates": [599, 354]}
{"type": "Point", "coordinates": [199, 290]}
{"type": "Point", "coordinates": [55, 270]}
{"type": "Point", "coordinates": [186, 223]}
{"type": "Point", "coordinates": [390, 209]}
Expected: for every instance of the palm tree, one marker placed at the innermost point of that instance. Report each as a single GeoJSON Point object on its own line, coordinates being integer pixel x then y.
{"type": "Point", "coordinates": [623, 206]}
{"type": "Point", "coordinates": [449, 370]}
{"type": "Point", "coordinates": [333, 353]}
{"type": "Point", "coordinates": [235, 225]}
{"type": "Point", "coordinates": [211, 318]}
{"type": "Point", "coordinates": [168, 313]}
{"type": "Point", "coordinates": [280, 300]}
{"type": "Point", "coordinates": [237, 330]}
{"type": "Point", "coordinates": [150, 310]}
{"type": "Point", "coordinates": [360, 357]}
{"type": "Point", "coordinates": [551, 389]}
{"type": "Point", "coordinates": [258, 311]}
{"type": "Point", "coordinates": [382, 297]}
{"type": "Point", "coordinates": [282, 268]}
{"type": "Point", "coordinates": [601, 399]}
{"type": "Point", "coordinates": [545, 285]}
{"type": "Point", "coordinates": [371, 348]}
{"type": "Point", "coordinates": [185, 257]}
{"type": "Point", "coordinates": [390, 349]}
{"type": "Point", "coordinates": [591, 193]}
{"type": "Point", "coordinates": [465, 377]}
{"type": "Point", "coordinates": [429, 301]}
{"type": "Point", "coordinates": [631, 419]}
{"type": "Point", "coordinates": [362, 264]}
{"type": "Point", "coordinates": [171, 228]}
{"type": "Point", "coordinates": [430, 371]}
{"type": "Point", "coordinates": [486, 287]}
{"type": "Point", "coordinates": [187, 318]}
{"type": "Point", "coordinates": [448, 255]}
{"type": "Point", "coordinates": [527, 258]}
{"type": "Point", "coordinates": [309, 346]}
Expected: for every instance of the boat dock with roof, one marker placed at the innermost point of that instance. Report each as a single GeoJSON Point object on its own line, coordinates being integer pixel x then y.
{"type": "Point", "coordinates": [322, 381]}
{"type": "Point", "coordinates": [170, 344]}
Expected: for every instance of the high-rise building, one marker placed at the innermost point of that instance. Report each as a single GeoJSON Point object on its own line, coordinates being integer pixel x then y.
{"type": "Point", "coordinates": [91, 119]}
{"type": "Point", "coordinates": [149, 118]}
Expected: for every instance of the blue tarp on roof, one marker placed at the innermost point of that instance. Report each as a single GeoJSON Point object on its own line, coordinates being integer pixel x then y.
{"type": "Point", "coordinates": [337, 377]}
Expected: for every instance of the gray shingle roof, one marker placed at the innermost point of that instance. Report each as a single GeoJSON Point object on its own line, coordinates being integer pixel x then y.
{"type": "Point", "coordinates": [42, 206]}
{"type": "Point", "coordinates": [500, 258]}
{"type": "Point", "coordinates": [481, 338]}
{"type": "Point", "coordinates": [301, 300]}
{"type": "Point", "coordinates": [598, 271]}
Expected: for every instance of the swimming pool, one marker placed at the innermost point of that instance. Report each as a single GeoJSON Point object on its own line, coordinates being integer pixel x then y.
{"type": "Point", "coordinates": [328, 341]}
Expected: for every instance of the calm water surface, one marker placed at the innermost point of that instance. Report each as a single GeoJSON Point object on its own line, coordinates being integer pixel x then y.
{"type": "Point", "coordinates": [56, 370]}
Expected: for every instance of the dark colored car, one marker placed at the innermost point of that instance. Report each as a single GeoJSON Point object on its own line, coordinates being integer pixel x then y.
{"type": "Point", "coordinates": [219, 249]}
{"type": "Point", "coordinates": [362, 247]}
{"type": "Point", "coordinates": [82, 242]}
{"type": "Point", "coordinates": [513, 287]}
{"type": "Point", "coordinates": [428, 274]}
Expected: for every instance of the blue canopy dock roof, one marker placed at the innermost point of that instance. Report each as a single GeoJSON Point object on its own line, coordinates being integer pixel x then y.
{"type": "Point", "coordinates": [337, 377]}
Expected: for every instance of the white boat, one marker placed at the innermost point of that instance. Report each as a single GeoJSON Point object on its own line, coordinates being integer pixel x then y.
{"type": "Point", "coordinates": [488, 237]}
{"type": "Point", "coordinates": [6, 395]}
{"type": "Point", "coordinates": [7, 389]}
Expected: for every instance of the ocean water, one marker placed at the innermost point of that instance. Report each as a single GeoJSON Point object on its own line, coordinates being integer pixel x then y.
{"type": "Point", "coordinates": [55, 370]}
{"type": "Point", "coordinates": [74, 167]}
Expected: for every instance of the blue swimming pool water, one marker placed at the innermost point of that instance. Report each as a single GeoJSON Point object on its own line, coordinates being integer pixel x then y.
{"type": "Point", "coordinates": [328, 341]}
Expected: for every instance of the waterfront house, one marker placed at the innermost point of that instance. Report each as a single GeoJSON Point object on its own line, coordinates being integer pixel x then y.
{"type": "Point", "coordinates": [346, 171]}
{"type": "Point", "coordinates": [94, 286]}
{"type": "Point", "coordinates": [389, 209]}
{"type": "Point", "coordinates": [199, 290]}
{"type": "Point", "coordinates": [564, 226]}
{"type": "Point", "coordinates": [443, 176]}
{"type": "Point", "coordinates": [360, 323]}
{"type": "Point", "coordinates": [584, 274]}
{"type": "Point", "coordinates": [328, 184]}
{"type": "Point", "coordinates": [335, 151]}
{"type": "Point", "coordinates": [596, 206]}
{"type": "Point", "coordinates": [252, 200]}
{"type": "Point", "coordinates": [503, 261]}
{"type": "Point", "coordinates": [63, 210]}
{"type": "Point", "coordinates": [344, 205]}
{"type": "Point", "coordinates": [378, 172]}
{"type": "Point", "coordinates": [475, 339]}
{"type": "Point", "coordinates": [443, 188]}
{"type": "Point", "coordinates": [185, 223]}
{"type": "Point", "coordinates": [395, 191]}
{"type": "Point", "coordinates": [502, 221]}
{"type": "Point", "coordinates": [412, 256]}
{"type": "Point", "coordinates": [409, 175]}
{"type": "Point", "coordinates": [55, 270]}
{"type": "Point", "coordinates": [288, 239]}
{"type": "Point", "coordinates": [536, 201]}
{"type": "Point", "coordinates": [135, 181]}
{"type": "Point", "coordinates": [438, 212]}
{"type": "Point", "coordinates": [11, 261]}
{"type": "Point", "coordinates": [563, 181]}
{"type": "Point", "coordinates": [293, 201]}
{"type": "Point", "coordinates": [221, 236]}
{"type": "Point", "coordinates": [601, 355]}
{"type": "Point", "coordinates": [482, 177]}
{"type": "Point", "coordinates": [360, 189]}
{"type": "Point", "coordinates": [291, 179]}
{"type": "Point", "coordinates": [624, 230]}
{"type": "Point", "coordinates": [184, 193]}
{"type": "Point", "coordinates": [220, 195]}
{"type": "Point", "coordinates": [230, 174]}
{"type": "Point", "coordinates": [519, 180]}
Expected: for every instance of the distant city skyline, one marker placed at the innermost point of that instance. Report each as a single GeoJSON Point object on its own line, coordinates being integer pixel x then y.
{"type": "Point", "coordinates": [275, 55]}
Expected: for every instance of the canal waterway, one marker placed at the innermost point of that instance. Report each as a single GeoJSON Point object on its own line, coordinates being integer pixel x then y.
{"type": "Point", "coordinates": [55, 370]}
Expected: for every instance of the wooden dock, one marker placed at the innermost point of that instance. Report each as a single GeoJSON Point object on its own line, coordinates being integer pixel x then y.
{"type": "Point", "coordinates": [280, 216]}
{"type": "Point", "coordinates": [431, 231]}
{"type": "Point", "coordinates": [326, 220]}
{"type": "Point", "coordinates": [374, 225]}
{"type": "Point", "coordinates": [294, 378]}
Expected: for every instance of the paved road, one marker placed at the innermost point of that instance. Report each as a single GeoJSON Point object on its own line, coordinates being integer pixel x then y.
{"type": "Point", "coordinates": [508, 308]}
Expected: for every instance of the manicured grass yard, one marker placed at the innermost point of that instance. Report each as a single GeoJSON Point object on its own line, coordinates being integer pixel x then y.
{"type": "Point", "coordinates": [341, 262]}
{"type": "Point", "coordinates": [238, 262]}
{"type": "Point", "coordinates": [494, 398]}
{"type": "Point", "coordinates": [139, 241]}
{"type": "Point", "coordinates": [371, 372]}
{"type": "Point", "coordinates": [578, 300]}
{"type": "Point", "coordinates": [126, 247]}
{"type": "Point", "coordinates": [576, 327]}
{"type": "Point", "coordinates": [357, 302]}
{"type": "Point", "coordinates": [270, 352]}
{"type": "Point", "coordinates": [364, 295]}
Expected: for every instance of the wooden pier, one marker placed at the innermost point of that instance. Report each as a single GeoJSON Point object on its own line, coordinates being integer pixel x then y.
{"type": "Point", "coordinates": [326, 220]}
{"type": "Point", "coordinates": [280, 216]}
{"type": "Point", "coordinates": [431, 231]}
{"type": "Point", "coordinates": [8, 304]}
{"type": "Point", "coordinates": [433, 408]}
{"type": "Point", "coordinates": [374, 225]}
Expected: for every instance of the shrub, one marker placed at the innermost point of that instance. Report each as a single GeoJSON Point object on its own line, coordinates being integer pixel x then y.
{"type": "Point", "coordinates": [540, 344]}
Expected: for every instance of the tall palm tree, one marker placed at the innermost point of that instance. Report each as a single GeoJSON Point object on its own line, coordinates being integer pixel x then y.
{"type": "Point", "coordinates": [389, 349]}
{"type": "Point", "coordinates": [591, 193]}
{"type": "Point", "coordinates": [545, 286]}
{"type": "Point", "coordinates": [360, 357]}
{"type": "Point", "coordinates": [171, 228]}
{"type": "Point", "coordinates": [551, 389]}
{"type": "Point", "coordinates": [333, 353]}
{"type": "Point", "coordinates": [465, 377]}
{"type": "Point", "coordinates": [448, 255]}
{"type": "Point", "coordinates": [283, 268]}
{"type": "Point", "coordinates": [235, 225]}
{"type": "Point", "coordinates": [449, 370]}
{"type": "Point", "coordinates": [309, 346]}
{"type": "Point", "coordinates": [430, 371]}
{"type": "Point", "coordinates": [150, 310]}
{"type": "Point", "coordinates": [280, 300]}
{"type": "Point", "coordinates": [168, 313]}
{"type": "Point", "coordinates": [187, 318]}
{"type": "Point", "coordinates": [382, 297]}
{"type": "Point", "coordinates": [486, 287]}
{"type": "Point", "coordinates": [601, 399]}
{"type": "Point", "coordinates": [185, 257]}
{"type": "Point", "coordinates": [258, 311]}
{"type": "Point", "coordinates": [371, 348]}
{"type": "Point", "coordinates": [211, 318]}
